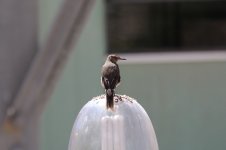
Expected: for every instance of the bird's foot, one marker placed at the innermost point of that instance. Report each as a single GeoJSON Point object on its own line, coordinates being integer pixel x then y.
{"type": "Point", "coordinates": [118, 98]}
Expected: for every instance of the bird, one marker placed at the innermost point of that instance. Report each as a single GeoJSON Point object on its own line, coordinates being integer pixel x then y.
{"type": "Point", "coordinates": [110, 78]}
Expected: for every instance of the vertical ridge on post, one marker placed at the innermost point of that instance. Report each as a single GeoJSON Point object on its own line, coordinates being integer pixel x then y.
{"type": "Point", "coordinates": [106, 133]}
{"type": "Point", "coordinates": [118, 133]}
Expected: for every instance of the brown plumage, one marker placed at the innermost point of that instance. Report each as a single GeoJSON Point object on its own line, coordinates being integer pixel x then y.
{"type": "Point", "coordinates": [110, 78]}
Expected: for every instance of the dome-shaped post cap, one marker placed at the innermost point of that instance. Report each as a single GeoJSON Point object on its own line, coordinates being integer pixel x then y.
{"type": "Point", "coordinates": [127, 127]}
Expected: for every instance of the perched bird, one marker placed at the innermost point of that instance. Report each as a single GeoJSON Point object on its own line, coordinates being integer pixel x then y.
{"type": "Point", "coordinates": [110, 78]}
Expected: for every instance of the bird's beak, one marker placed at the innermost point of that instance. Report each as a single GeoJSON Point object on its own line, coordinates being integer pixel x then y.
{"type": "Point", "coordinates": [119, 58]}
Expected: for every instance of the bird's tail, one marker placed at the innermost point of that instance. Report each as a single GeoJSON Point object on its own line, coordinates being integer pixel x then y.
{"type": "Point", "coordinates": [110, 98]}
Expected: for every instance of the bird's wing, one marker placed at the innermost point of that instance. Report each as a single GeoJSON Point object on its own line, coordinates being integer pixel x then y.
{"type": "Point", "coordinates": [105, 82]}
{"type": "Point", "coordinates": [102, 82]}
{"type": "Point", "coordinates": [110, 75]}
{"type": "Point", "coordinates": [119, 80]}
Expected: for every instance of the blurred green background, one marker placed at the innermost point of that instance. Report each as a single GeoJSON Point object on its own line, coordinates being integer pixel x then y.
{"type": "Point", "coordinates": [186, 101]}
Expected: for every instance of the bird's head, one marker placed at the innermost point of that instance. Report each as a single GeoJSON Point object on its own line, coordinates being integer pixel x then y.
{"type": "Point", "coordinates": [114, 58]}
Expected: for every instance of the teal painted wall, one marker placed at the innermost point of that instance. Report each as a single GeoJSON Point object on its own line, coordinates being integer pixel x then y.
{"type": "Point", "coordinates": [186, 102]}
{"type": "Point", "coordinates": [79, 82]}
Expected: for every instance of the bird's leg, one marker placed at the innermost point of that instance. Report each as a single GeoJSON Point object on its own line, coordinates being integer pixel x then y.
{"type": "Point", "coordinates": [114, 95]}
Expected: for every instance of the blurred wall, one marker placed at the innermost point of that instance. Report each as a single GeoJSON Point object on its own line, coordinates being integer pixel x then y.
{"type": "Point", "coordinates": [80, 80]}
{"type": "Point", "coordinates": [185, 101]}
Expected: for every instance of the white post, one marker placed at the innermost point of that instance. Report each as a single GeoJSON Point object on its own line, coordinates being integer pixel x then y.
{"type": "Point", "coordinates": [112, 133]}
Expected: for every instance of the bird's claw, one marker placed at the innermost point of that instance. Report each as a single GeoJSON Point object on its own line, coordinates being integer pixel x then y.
{"type": "Point", "coordinates": [118, 98]}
